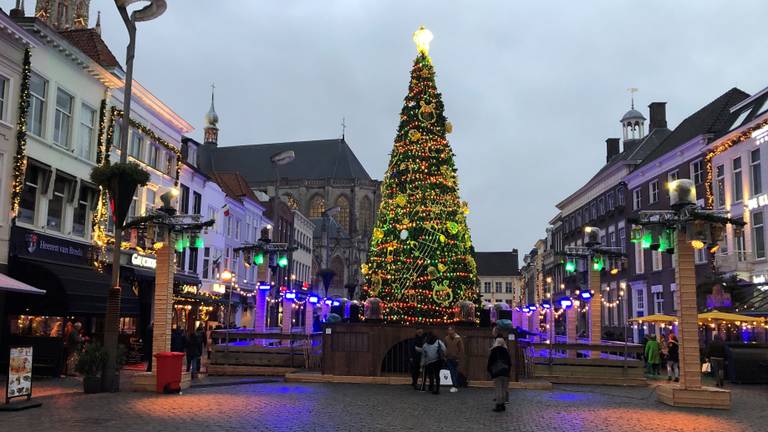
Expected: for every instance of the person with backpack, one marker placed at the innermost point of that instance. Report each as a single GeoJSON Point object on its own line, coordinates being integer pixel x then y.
{"type": "Point", "coordinates": [432, 358]}
{"type": "Point", "coordinates": [499, 368]}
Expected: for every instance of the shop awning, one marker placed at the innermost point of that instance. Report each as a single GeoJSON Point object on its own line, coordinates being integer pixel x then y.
{"type": "Point", "coordinates": [716, 315]}
{"type": "Point", "coordinates": [9, 284]}
{"type": "Point", "coordinates": [186, 279]}
{"type": "Point", "coordinates": [655, 318]}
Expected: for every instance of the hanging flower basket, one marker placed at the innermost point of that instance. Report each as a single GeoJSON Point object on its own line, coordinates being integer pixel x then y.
{"type": "Point", "coordinates": [121, 181]}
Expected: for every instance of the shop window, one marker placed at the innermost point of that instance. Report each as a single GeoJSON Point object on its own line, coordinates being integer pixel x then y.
{"type": "Point", "coordinates": [40, 326]}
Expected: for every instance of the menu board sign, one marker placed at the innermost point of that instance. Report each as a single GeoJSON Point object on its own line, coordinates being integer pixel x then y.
{"type": "Point", "coordinates": [19, 373]}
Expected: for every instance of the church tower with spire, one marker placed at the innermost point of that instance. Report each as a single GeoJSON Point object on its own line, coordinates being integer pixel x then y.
{"type": "Point", "coordinates": [211, 131]}
{"type": "Point", "coordinates": [63, 14]}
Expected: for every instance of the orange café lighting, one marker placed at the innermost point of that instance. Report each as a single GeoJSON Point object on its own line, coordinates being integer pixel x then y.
{"type": "Point", "coordinates": [226, 275]}
{"type": "Point", "coordinates": [697, 244]}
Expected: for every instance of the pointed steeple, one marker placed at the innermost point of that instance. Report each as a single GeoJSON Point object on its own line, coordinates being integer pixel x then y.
{"type": "Point", "coordinates": [211, 121]}
{"type": "Point", "coordinates": [97, 27]}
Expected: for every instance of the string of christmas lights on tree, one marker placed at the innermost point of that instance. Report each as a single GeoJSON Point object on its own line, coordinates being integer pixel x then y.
{"type": "Point", "coordinates": [20, 158]}
{"type": "Point", "coordinates": [420, 262]}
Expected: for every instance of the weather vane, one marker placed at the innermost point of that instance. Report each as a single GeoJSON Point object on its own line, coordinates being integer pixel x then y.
{"type": "Point", "coordinates": [632, 91]}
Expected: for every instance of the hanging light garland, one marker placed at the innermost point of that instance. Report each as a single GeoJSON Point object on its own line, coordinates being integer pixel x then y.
{"type": "Point", "coordinates": [20, 158]}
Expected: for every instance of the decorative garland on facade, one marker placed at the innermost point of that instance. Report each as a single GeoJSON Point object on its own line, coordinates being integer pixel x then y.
{"type": "Point", "coordinates": [100, 156]}
{"type": "Point", "coordinates": [20, 158]}
{"type": "Point", "coordinates": [99, 221]}
{"type": "Point", "coordinates": [725, 145]}
{"type": "Point", "coordinates": [118, 113]}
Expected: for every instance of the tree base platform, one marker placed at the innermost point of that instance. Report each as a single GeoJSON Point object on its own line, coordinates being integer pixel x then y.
{"type": "Point", "coordinates": [703, 397]}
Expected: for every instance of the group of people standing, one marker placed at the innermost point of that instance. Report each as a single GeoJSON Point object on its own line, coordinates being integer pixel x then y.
{"type": "Point", "coordinates": [660, 350]}
{"type": "Point", "coordinates": [428, 355]}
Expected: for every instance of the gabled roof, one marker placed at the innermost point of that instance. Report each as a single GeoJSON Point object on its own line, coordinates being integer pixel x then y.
{"type": "Point", "coordinates": [497, 263]}
{"type": "Point", "coordinates": [234, 185]}
{"type": "Point", "coordinates": [715, 119]}
{"type": "Point", "coordinates": [315, 160]}
{"type": "Point", "coordinates": [89, 41]}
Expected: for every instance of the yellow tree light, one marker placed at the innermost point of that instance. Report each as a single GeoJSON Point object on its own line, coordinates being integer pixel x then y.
{"type": "Point", "coordinates": [422, 37]}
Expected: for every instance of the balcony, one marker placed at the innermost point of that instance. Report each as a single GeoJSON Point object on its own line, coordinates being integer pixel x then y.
{"type": "Point", "coordinates": [734, 262]}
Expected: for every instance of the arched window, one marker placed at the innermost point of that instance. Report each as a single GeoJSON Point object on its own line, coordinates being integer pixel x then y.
{"type": "Point", "coordinates": [291, 200]}
{"type": "Point", "coordinates": [342, 217]}
{"type": "Point", "coordinates": [365, 215]}
{"type": "Point", "coordinates": [338, 267]}
{"type": "Point", "coordinates": [316, 206]}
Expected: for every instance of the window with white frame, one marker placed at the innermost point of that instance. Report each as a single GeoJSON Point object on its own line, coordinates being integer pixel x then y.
{"type": "Point", "coordinates": [197, 203]}
{"type": "Point", "coordinates": [756, 179]}
{"type": "Point", "coordinates": [154, 155]}
{"type": "Point", "coordinates": [620, 196]}
{"type": "Point", "coordinates": [740, 246]}
{"type": "Point", "coordinates": [57, 204]}
{"type": "Point", "coordinates": [622, 239]}
{"type": "Point", "coordinates": [237, 229]}
{"type": "Point", "coordinates": [87, 137]}
{"type": "Point", "coordinates": [720, 186]}
{"type": "Point", "coordinates": [639, 259]}
{"type": "Point", "coordinates": [28, 204]}
{"type": "Point", "coordinates": [737, 191]}
{"type": "Point", "coordinates": [640, 302]}
{"type": "Point", "coordinates": [600, 206]}
{"type": "Point", "coordinates": [82, 215]}
{"type": "Point", "coordinates": [206, 262]}
{"type": "Point", "coordinates": [38, 88]}
{"type": "Point", "coordinates": [758, 235]}
{"type": "Point", "coordinates": [653, 191]}
{"type": "Point", "coordinates": [637, 199]}
{"type": "Point", "coordinates": [672, 176]}
{"type": "Point", "coordinates": [656, 260]}
{"type": "Point", "coordinates": [149, 200]}
{"type": "Point", "coordinates": [658, 298]}
{"type": "Point", "coordinates": [508, 287]}
{"type": "Point", "coordinates": [675, 297]}
{"type": "Point", "coordinates": [136, 145]}
{"type": "Point", "coordinates": [63, 120]}
{"type": "Point", "coordinates": [697, 171]}
{"type": "Point", "coordinates": [5, 89]}
{"type": "Point", "coordinates": [498, 287]}
{"type": "Point", "coordinates": [700, 256]}
{"type": "Point", "coordinates": [134, 209]}
{"type": "Point", "coordinates": [487, 287]}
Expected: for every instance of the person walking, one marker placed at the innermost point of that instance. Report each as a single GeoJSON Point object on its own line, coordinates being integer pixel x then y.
{"type": "Point", "coordinates": [652, 355]}
{"type": "Point", "coordinates": [414, 356]}
{"type": "Point", "coordinates": [193, 349]}
{"type": "Point", "coordinates": [432, 357]}
{"type": "Point", "coordinates": [716, 354]}
{"type": "Point", "coordinates": [499, 367]}
{"type": "Point", "coordinates": [74, 345]}
{"type": "Point", "coordinates": [453, 352]}
{"type": "Point", "coordinates": [673, 359]}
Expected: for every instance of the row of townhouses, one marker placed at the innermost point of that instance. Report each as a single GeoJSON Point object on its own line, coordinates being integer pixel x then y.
{"type": "Point", "coordinates": [55, 228]}
{"type": "Point", "coordinates": [718, 147]}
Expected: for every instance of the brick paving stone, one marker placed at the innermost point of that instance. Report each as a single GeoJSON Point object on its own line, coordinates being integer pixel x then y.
{"type": "Point", "coordinates": [347, 407]}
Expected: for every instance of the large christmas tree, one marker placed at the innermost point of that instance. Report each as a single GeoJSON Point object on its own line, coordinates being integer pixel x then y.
{"type": "Point", "coordinates": [420, 263]}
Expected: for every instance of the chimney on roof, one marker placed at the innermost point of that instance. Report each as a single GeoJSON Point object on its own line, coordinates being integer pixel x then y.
{"type": "Point", "coordinates": [611, 148]}
{"type": "Point", "coordinates": [658, 112]}
{"type": "Point", "coordinates": [515, 262]}
{"type": "Point", "coordinates": [18, 11]}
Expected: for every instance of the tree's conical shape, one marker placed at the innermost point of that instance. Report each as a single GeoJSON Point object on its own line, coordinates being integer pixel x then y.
{"type": "Point", "coordinates": [421, 258]}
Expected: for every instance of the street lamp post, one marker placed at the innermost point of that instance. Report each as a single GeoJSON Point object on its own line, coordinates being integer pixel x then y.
{"type": "Point", "coordinates": [154, 9]}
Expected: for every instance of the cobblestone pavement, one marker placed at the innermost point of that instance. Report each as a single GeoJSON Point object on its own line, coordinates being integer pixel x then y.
{"type": "Point", "coordinates": [328, 407]}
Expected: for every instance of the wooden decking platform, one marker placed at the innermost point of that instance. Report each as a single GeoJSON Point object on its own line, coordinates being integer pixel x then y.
{"type": "Point", "coordinates": [703, 397]}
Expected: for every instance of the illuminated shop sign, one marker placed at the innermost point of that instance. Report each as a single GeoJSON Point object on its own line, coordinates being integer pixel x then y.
{"type": "Point", "coordinates": [143, 261]}
{"type": "Point", "coordinates": [758, 201]}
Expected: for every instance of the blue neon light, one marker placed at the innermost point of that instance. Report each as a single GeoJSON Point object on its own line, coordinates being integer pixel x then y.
{"type": "Point", "coordinates": [290, 295]}
{"type": "Point", "coordinates": [313, 299]}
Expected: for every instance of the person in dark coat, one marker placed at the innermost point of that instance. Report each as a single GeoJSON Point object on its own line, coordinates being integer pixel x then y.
{"type": "Point", "coordinates": [414, 357]}
{"type": "Point", "coordinates": [177, 340]}
{"type": "Point", "coordinates": [716, 355]}
{"type": "Point", "coordinates": [499, 368]}
{"type": "Point", "coordinates": [194, 349]}
{"type": "Point", "coordinates": [673, 359]}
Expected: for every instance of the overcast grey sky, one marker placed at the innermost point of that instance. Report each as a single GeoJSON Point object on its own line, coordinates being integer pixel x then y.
{"type": "Point", "coordinates": [532, 88]}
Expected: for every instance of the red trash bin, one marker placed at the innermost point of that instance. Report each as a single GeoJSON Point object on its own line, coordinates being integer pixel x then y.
{"type": "Point", "coordinates": [168, 370]}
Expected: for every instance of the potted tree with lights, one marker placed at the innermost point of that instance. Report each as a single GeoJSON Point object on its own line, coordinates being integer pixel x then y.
{"type": "Point", "coordinates": [121, 181]}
